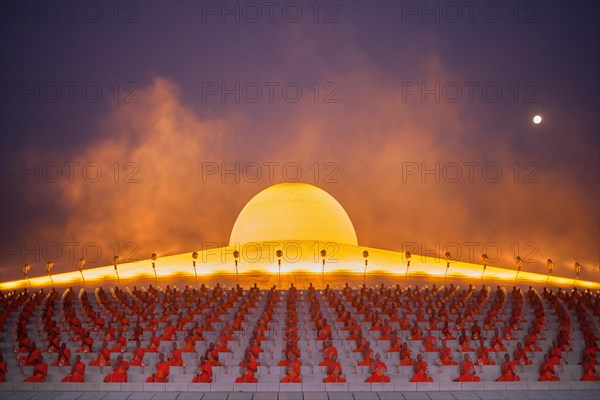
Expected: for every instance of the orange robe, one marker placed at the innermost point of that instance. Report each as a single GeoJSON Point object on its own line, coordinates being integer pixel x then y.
{"type": "Point", "coordinates": [547, 372]}
{"type": "Point", "coordinates": [77, 373]}
{"type": "Point", "coordinates": [419, 374]}
{"type": "Point", "coordinates": [467, 373]}
{"type": "Point", "coordinates": [39, 373]}
{"type": "Point", "coordinates": [508, 373]}
{"type": "Point", "coordinates": [378, 369]}
{"type": "Point", "coordinates": [119, 374]}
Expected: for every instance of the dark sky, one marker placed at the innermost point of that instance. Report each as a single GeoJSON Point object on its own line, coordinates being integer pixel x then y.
{"type": "Point", "coordinates": [120, 121]}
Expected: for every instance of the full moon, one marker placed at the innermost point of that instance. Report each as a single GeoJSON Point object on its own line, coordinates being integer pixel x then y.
{"type": "Point", "coordinates": [537, 119]}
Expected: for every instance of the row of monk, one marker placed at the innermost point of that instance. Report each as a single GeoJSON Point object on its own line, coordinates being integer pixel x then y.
{"type": "Point", "coordinates": [228, 312]}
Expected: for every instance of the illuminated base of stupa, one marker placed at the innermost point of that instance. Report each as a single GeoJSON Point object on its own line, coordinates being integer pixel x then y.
{"type": "Point", "coordinates": [299, 257]}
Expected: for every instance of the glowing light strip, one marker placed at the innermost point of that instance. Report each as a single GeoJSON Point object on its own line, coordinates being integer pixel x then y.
{"type": "Point", "coordinates": [298, 257]}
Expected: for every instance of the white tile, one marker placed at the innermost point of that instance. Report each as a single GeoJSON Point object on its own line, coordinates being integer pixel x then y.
{"type": "Point", "coordinates": [154, 387]}
{"type": "Point", "coordinates": [190, 396]}
{"type": "Point", "coordinates": [290, 387]}
{"type": "Point", "coordinates": [290, 396]}
{"type": "Point", "coordinates": [267, 387]}
{"type": "Point", "coordinates": [265, 396]}
{"type": "Point", "coordinates": [428, 386]}
{"type": "Point", "coordinates": [199, 387]}
{"type": "Point", "coordinates": [361, 387]}
{"type": "Point", "coordinates": [364, 395]}
{"type": "Point", "coordinates": [117, 395]}
{"type": "Point", "coordinates": [132, 387]}
{"type": "Point", "coordinates": [405, 387]}
{"type": "Point", "coordinates": [333, 388]}
{"type": "Point", "coordinates": [69, 394]}
{"type": "Point", "coordinates": [167, 395]}
{"type": "Point", "coordinates": [341, 396]}
{"type": "Point", "coordinates": [221, 387]}
{"type": "Point", "coordinates": [314, 395]}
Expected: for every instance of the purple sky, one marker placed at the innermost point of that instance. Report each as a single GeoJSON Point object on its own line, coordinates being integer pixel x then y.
{"type": "Point", "coordinates": [418, 120]}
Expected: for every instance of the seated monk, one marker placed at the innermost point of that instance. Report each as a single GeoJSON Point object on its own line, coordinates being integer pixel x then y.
{"type": "Point", "coordinates": [138, 355]}
{"type": "Point", "coordinates": [39, 371]}
{"type": "Point", "coordinates": [212, 355]}
{"type": "Point", "coordinates": [169, 332]}
{"type": "Point", "coordinates": [447, 332]}
{"type": "Point", "coordinates": [446, 357]}
{"type": "Point", "coordinates": [3, 368]}
{"type": "Point", "coordinates": [483, 354]}
{"type": "Point", "coordinates": [547, 370]}
{"type": "Point", "coordinates": [395, 343]}
{"type": "Point", "coordinates": [330, 354]}
{"type": "Point", "coordinates": [250, 363]}
{"type": "Point", "coordinates": [520, 355]}
{"type": "Point", "coordinates": [386, 331]}
{"type": "Point", "coordinates": [292, 375]}
{"type": "Point", "coordinates": [334, 371]}
{"type": "Point", "coordinates": [405, 355]}
{"type": "Point", "coordinates": [367, 354]}
{"type": "Point", "coordinates": [292, 360]}
{"type": "Point", "coordinates": [77, 371]}
{"type": "Point", "coordinates": [34, 356]}
{"type": "Point", "coordinates": [176, 358]}
{"type": "Point", "coordinates": [161, 371]}
{"type": "Point", "coordinates": [555, 353]}
{"type": "Point", "coordinates": [154, 344]}
{"type": "Point", "coordinates": [416, 332]}
{"type": "Point", "coordinates": [64, 356]}
{"type": "Point", "coordinates": [222, 346]}
{"type": "Point", "coordinates": [467, 371]}
{"type": "Point", "coordinates": [378, 371]}
{"type": "Point", "coordinates": [508, 371]}
{"type": "Point", "coordinates": [254, 348]}
{"type": "Point", "coordinates": [189, 343]}
{"type": "Point", "coordinates": [497, 342]}
{"type": "Point", "coordinates": [463, 342]}
{"type": "Point", "coordinates": [324, 332]}
{"type": "Point", "coordinates": [429, 342]}
{"type": "Point", "coordinates": [421, 371]}
{"type": "Point", "coordinates": [246, 377]}
{"type": "Point", "coordinates": [531, 341]}
{"type": "Point", "coordinates": [103, 357]}
{"type": "Point", "coordinates": [204, 372]}
{"type": "Point", "coordinates": [119, 373]}
{"type": "Point", "coordinates": [589, 369]}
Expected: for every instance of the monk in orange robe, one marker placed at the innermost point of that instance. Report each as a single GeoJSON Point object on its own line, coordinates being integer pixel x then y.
{"type": "Point", "coordinates": [508, 371]}
{"type": "Point", "coordinates": [3, 368]}
{"type": "Point", "coordinates": [378, 371]}
{"type": "Point", "coordinates": [119, 373]}
{"type": "Point", "coordinates": [421, 371]}
{"type": "Point", "coordinates": [161, 371]}
{"type": "Point", "coordinates": [547, 371]}
{"type": "Point", "coordinates": [330, 353]}
{"type": "Point", "coordinates": [77, 371]}
{"type": "Point", "coordinates": [292, 376]}
{"type": "Point", "coordinates": [446, 357]}
{"type": "Point", "coordinates": [334, 372]}
{"type": "Point", "coordinates": [39, 371]}
{"type": "Point", "coordinates": [176, 358]}
{"type": "Point", "coordinates": [467, 371]}
{"type": "Point", "coordinates": [405, 355]}
{"type": "Point", "coordinates": [34, 356]}
{"type": "Point", "coordinates": [64, 356]}
{"type": "Point", "coordinates": [246, 377]}
{"type": "Point", "coordinates": [204, 372]}
{"type": "Point", "coordinates": [103, 357]}
{"type": "Point", "coordinates": [483, 354]}
{"type": "Point", "coordinates": [589, 369]}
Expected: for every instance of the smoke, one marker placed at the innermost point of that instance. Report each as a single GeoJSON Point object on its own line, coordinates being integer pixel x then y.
{"type": "Point", "coordinates": [362, 149]}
